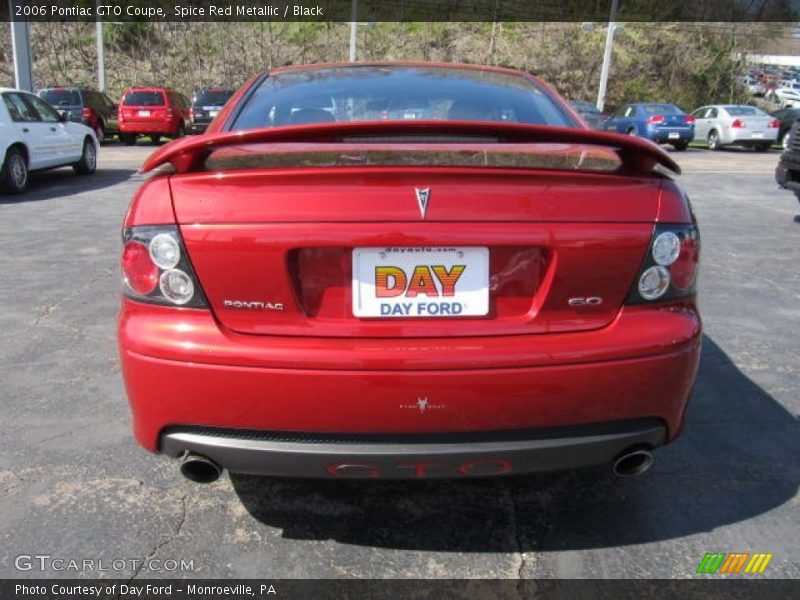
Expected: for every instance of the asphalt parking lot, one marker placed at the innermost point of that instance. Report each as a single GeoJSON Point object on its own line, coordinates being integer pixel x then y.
{"type": "Point", "coordinates": [74, 485]}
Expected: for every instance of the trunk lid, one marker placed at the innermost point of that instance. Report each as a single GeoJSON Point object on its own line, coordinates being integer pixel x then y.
{"type": "Point", "coordinates": [755, 123]}
{"type": "Point", "coordinates": [274, 248]}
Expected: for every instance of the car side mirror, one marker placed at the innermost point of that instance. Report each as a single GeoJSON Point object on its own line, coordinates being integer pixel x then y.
{"type": "Point", "coordinates": [62, 117]}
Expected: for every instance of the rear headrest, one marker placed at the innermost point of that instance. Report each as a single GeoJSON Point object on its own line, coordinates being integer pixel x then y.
{"type": "Point", "coordinates": [306, 116]}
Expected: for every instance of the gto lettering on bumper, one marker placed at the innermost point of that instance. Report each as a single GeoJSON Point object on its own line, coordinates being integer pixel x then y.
{"type": "Point", "coordinates": [421, 468]}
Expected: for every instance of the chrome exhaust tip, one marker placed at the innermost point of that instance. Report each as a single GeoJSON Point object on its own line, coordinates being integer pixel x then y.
{"type": "Point", "coordinates": [632, 463]}
{"type": "Point", "coordinates": [199, 468]}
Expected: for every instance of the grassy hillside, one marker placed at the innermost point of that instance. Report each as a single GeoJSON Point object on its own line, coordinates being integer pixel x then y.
{"type": "Point", "coordinates": [690, 64]}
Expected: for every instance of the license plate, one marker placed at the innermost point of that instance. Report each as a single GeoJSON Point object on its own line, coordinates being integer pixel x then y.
{"type": "Point", "coordinates": [427, 282]}
{"type": "Point", "coordinates": [758, 134]}
{"type": "Point", "coordinates": [144, 113]}
{"type": "Point", "coordinates": [674, 135]}
{"type": "Point", "coordinates": [213, 113]}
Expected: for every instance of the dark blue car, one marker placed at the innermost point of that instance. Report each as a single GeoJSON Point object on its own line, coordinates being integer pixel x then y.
{"type": "Point", "coordinates": [661, 123]}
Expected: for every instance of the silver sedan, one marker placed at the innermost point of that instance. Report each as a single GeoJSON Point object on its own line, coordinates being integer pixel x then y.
{"type": "Point", "coordinates": [722, 125]}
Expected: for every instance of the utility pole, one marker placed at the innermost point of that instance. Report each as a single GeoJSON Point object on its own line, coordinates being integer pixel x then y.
{"type": "Point", "coordinates": [353, 25]}
{"type": "Point", "coordinates": [601, 93]}
{"type": "Point", "coordinates": [101, 56]}
{"type": "Point", "coordinates": [21, 43]}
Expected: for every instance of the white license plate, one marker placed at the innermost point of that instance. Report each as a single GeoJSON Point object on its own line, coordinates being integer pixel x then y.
{"type": "Point", "coordinates": [213, 113]}
{"type": "Point", "coordinates": [674, 135]}
{"type": "Point", "coordinates": [758, 134]}
{"type": "Point", "coordinates": [144, 113]}
{"type": "Point", "coordinates": [427, 282]}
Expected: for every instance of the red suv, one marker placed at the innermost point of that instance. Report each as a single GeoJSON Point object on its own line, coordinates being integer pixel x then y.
{"type": "Point", "coordinates": [153, 111]}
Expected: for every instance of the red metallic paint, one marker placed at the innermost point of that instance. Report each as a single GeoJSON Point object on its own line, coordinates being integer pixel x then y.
{"type": "Point", "coordinates": [285, 236]}
{"type": "Point", "coordinates": [182, 367]}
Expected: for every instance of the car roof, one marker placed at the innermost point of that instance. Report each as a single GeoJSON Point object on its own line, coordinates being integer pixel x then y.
{"type": "Point", "coordinates": [400, 64]}
{"type": "Point", "coordinates": [65, 87]}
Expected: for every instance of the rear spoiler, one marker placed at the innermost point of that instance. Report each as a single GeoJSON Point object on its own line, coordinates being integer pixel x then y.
{"type": "Point", "coordinates": [189, 153]}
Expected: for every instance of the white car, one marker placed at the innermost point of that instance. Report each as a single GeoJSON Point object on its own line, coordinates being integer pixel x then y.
{"type": "Point", "coordinates": [722, 125]}
{"type": "Point", "coordinates": [33, 136]}
{"type": "Point", "coordinates": [753, 86]}
{"type": "Point", "coordinates": [787, 96]}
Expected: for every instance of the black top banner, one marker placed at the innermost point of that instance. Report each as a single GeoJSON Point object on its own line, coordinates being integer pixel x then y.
{"type": "Point", "coordinates": [401, 10]}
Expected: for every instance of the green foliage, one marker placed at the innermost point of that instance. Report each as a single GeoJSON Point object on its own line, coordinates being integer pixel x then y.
{"type": "Point", "coordinates": [689, 64]}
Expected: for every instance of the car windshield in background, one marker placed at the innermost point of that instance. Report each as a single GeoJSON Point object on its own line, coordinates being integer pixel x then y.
{"type": "Point", "coordinates": [745, 111]}
{"type": "Point", "coordinates": [585, 107]}
{"type": "Point", "coordinates": [61, 97]}
{"type": "Point", "coordinates": [212, 97]}
{"type": "Point", "coordinates": [144, 99]}
{"type": "Point", "coordinates": [381, 93]}
{"type": "Point", "coordinates": [661, 109]}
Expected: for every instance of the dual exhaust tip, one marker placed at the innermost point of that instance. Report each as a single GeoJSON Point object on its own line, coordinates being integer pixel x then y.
{"type": "Point", "coordinates": [633, 462]}
{"type": "Point", "coordinates": [201, 469]}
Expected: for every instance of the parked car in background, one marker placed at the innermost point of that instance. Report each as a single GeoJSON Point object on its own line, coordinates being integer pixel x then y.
{"type": "Point", "coordinates": [787, 173]}
{"type": "Point", "coordinates": [787, 95]}
{"type": "Point", "coordinates": [786, 117]}
{"type": "Point", "coordinates": [153, 111]}
{"type": "Point", "coordinates": [753, 86]}
{"type": "Point", "coordinates": [721, 125]}
{"type": "Point", "coordinates": [206, 104]}
{"type": "Point", "coordinates": [353, 299]}
{"type": "Point", "coordinates": [661, 123]}
{"type": "Point", "coordinates": [84, 105]}
{"type": "Point", "coordinates": [593, 117]}
{"type": "Point", "coordinates": [33, 136]}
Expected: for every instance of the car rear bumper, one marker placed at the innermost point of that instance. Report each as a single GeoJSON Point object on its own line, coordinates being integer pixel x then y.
{"type": "Point", "coordinates": [662, 135]}
{"type": "Point", "coordinates": [147, 128]}
{"type": "Point", "coordinates": [735, 136]}
{"type": "Point", "coordinates": [181, 369]}
{"type": "Point", "coordinates": [414, 456]}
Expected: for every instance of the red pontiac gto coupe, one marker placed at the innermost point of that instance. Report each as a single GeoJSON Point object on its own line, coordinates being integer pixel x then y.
{"type": "Point", "coordinates": [407, 270]}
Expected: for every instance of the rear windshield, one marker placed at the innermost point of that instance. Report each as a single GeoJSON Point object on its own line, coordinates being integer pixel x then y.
{"type": "Point", "coordinates": [661, 109]}
{"type": "Point", "coordinates": [381, 93]}
{"type": "Point", "coordinates": [745, 111]}
{"type": "Point", "coordinates": [61, 97]}
{"type": "Point", "coordinates": [141, 98]}
{"type": "Point", "coordinates": [212, 97]}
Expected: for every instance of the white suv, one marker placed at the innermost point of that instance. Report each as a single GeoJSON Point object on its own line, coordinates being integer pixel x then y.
{"type": "Point", "coordinates": [33, 136]}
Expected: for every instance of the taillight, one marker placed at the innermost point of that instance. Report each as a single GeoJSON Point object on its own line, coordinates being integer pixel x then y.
{"type": "Point", "coordinates": [156, 268]}
{"type": "Point", "coordinates": [191, 114]}
{"type": "Point", "coordinates": [737, 123]}
{"type": "Point", "coordinates": [139, 273]}
{"type": "Point", "coordinates": [169, 113]}
{"type": "Point", "coordinates": [656, 119]}
{"type": "Point", "coordinates": [669, 270]}
{"type": "Point", "coordinates": [774, 124]}
{"type": "Point", "coordinates": [87, 113]}
{"type": "Point", "coordinates": [689, 119]}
